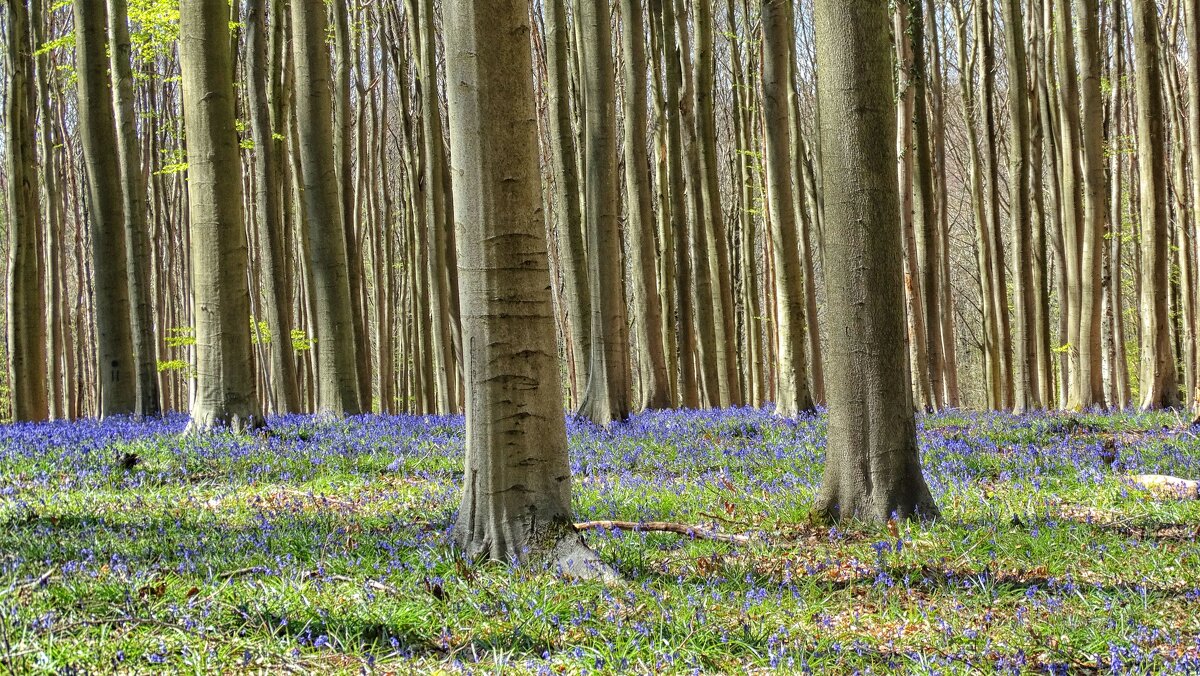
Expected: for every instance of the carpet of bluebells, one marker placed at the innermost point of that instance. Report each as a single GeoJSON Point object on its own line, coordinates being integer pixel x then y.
{"type": "Point", "coordinates": [323, 547]}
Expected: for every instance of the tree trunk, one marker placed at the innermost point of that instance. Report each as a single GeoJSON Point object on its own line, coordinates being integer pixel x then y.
{"type": "Point", "coordinates": [568, 211]}
{"type": "Point", "coordinates": [792, 394]}
{"type": "Point", "coordinates": [97, 129]}
{"type": "Point", "coordinates": [1090, 383]}
{"type": "Point", "coordinates": [336, 350]}
{"type": "Point", "coordinates": [26, 309]}
{"type": "Point", "coordinates": [607, 396]}
{"type": "Point", "coordinates": [516, 503]}
{"type": "Point", "coordinates": [1028, 395]}
{"type": "Point", "coordinates": [277, 292]}
{"type": "Point", "coordinates": [652, 365]}
{"type": "Point", "coordinates": [872, 469]}
{"type": "Point", "coordinates": [1191, 10]}
{"type": "Point", "coordinates": [225, 376]}
{"type": "Point", "coordinates": [137, 237]}
{"type": "Point", "coordinates": [1158, 385]}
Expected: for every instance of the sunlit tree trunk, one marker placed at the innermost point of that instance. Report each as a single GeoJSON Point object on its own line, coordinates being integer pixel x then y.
{"type": "Point", "coordinates": [26, 308]}
{"type": "Point", "coordinates": [872, 469]}
{"type": "Point", "coordinates": [225, 375]}
{"type": "Point", "coordinates": [1158, 385]}
{"type": "Point", "coordinates": [516, 503]}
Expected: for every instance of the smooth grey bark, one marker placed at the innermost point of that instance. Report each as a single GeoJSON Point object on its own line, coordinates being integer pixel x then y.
{"type": "Point", "coordinates": [792, 393]}
{"type": "Point", "coordinates": [277, 292]}
{"type": "Point", "coordinates": [1158, 382]}
{"type": "Point", "coordinates": [60, 358]}
{"type": "Point", "coordinates": [117, 371]}
{"type": "Point", "coordinates": [137, 234]}
{"type": "Point", "coordinates": [26, 306]}
{"type": "Point", "coordinates": [516, 503]}
{"type": "Point", "coordinates": [568, 208]}
{"type": "Point", "coordinates": [1020, 179]}
{"type": "Point", "coordinates": [326, 244]}
{"type": "Point", "coordinates": [713, 217]}
{"type": "Point", "coordinates": [225, 394]}
{"type": "Point", "coordinates": [607, 396]}
{"type": "Point", "coordinates": [872, 468]}
{"type": "Point", "coordinates": [344, 153]}
{"type": "Point", "coordinates": [1191, 10]}
{"type": "Point", "coordinates": [1090, 384]}
{"type": "Point", "coordinates": [651, 364]}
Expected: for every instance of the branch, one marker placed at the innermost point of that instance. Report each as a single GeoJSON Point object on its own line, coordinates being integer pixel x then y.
{"type": "Point", "coordinates": [665, 527]}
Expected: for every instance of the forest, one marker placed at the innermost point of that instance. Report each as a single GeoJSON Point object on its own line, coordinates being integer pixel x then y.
{"type": "Point", "coordinates": [600, 336]}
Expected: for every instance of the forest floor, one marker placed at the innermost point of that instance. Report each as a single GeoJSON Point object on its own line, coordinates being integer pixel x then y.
{"type": "Point", "coordinates": [323, 547]}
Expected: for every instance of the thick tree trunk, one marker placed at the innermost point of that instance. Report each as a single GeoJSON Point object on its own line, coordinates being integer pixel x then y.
{"type": "Point", "coordinates": [516, 503]}
{"type": "Point", "coordinates": [872, 469]}
{"type": "Point", "coordinates": [792, 394]}
{"type": "Point", "coordinates": [336, 350]}
{"type": "Point", "coordinates": [607, 396]}
{"type": "Point", "coordinates": [1158, 384]}
{"type": "Point", "coordinates": [26, 308]}
{"type": "Point", "coordinates": [225, 380]}
{"type": "Point", "coordinates": [97, 128]}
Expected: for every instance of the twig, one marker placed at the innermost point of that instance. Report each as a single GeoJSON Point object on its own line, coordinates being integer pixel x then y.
{"type": "Point", "coordinates": [665, 527]}
{"type": "Point", "coordinates": [718, 517]}
{"type": "Point", "coordinates": [33, 583]}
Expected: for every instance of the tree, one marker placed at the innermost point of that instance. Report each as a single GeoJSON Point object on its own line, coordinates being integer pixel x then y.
{"type": "Point", "coordinates": [607, 395]}
{"type": "Point", "coordinates": [792, 393]}
{"type": "Point", "coordinates": [268, 203]}
{"type": "Point", "coordinates": [516, 503]}
{"type": "Point", "coordinates": [137, 236]}
{"type": "Point", "coordinates": [336, 350]}
{"type": "Point", "coordinates": [225, 382]}
{"type": "Point", "coordinates": [1158, 384]}
{"type": "Point", "coordinates": [26, 309]}
{"type": "Point", "coordinates": [97, 130]}
{"type": "Point", "coordinates": [563, 158]}
{"type": "Point", "coordinates": [651, 362]}
{"type": "Point", "coordinates": [1191, 10]}
{"type": "Point", "coordinates": [872, 467]}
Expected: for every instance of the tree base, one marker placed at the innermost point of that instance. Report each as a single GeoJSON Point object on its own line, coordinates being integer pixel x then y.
{"type": "Point", "coordinates": [202, 423]}
{"type": "Point", "coordinates": [850, 501]}
{"type": "Point", "coordinates": [557, 547]}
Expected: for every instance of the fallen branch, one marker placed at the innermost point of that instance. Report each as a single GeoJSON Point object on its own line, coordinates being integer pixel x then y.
{"type": "Point", "coordinates": [1167, 486]}
{"type": "Point", "coordinates": [665, 527]}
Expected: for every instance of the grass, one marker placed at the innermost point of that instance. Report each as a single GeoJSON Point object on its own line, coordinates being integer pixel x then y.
{"type": "Point", "coordinates": [323, 548]}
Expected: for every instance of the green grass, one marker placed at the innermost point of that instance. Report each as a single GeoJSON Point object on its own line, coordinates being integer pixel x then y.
{"type": "Point", "coordinates": [325, 550]}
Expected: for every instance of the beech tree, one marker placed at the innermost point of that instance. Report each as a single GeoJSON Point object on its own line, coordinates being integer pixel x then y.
{"type": "Point", "coordinates": [516, 503]}
{"type": "Point", "coordinates": [25, 311]}
{"type": "Point", "coordinates": [97, 129]}
{"type": "Point", "coordinates": [225, 384]}
{"type": "Point", "coordinates": [872, 467]}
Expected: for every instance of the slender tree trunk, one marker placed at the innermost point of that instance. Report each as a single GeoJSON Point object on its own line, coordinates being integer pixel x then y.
{"type": "Point", "coordinates": [26, 309]}
{"type": "Point", "coordinates": [225, 375]}
{"type": "Point", "coordinates": [1158, 384]}
{"type": "Point", "coordinates": [1021, 220]}
{"type": "Point", "coordinates": [607, 396]}
{"type": "Point", "coordinates": [717, 254]}
{"type": "Point", "coordinates": [793, 395]}
{"type": "Point", "coordinates": [1191, 9]}
{"type": "Point", "coordinates": [652, 364]}
{"type": "Point", "coordinates": [277, 293]}
{"type": "Point", "coordinates": [516, 503]}
{"type": "Point", "coordinates": [873, 468]}
{"type": "Point", "coordinates": [568, 211]}
{"type": "Point", "coordinates": [336, 347]}
{"type": "Point", "coordinates": [97, 128]}
{"type": "Point", "coordinates": [1091, 377]}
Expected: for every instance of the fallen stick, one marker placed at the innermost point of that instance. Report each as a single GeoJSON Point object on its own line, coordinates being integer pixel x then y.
{"type": "Point", "coordinates": [1167, 486]}
{"type": "Point", "coordinates": [665, 527]}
